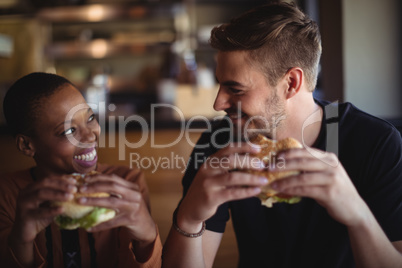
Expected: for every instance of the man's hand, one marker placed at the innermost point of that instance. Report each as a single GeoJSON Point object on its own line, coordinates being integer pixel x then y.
{"type": "Point", "coordinates": [217, 183]}
{"type": "Point", "coordinates": [325, 180]}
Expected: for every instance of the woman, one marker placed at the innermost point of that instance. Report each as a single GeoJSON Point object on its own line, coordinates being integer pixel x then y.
{"type": "Point", "coordinates": [52, 123]}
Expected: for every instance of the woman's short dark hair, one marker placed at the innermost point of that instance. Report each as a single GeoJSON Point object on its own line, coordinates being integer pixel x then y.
{"type": "Point", "coordinates": [277, 37]}
{"type": "Point", "coordinates": [25, 97]}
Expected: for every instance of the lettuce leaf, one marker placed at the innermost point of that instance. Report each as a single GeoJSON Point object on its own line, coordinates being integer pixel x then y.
{"type": "Point", "coordinates": [291, 200]}
{"type": "Point", "coordinates": [85, 222]}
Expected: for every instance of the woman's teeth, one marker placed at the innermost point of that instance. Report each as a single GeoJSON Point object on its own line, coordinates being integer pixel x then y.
{"type": "Point", "coordinates": [86, 157]}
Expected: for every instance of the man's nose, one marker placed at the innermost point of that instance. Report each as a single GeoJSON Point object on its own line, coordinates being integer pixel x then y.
{"type": "Point", "coordinates": [222, 101]}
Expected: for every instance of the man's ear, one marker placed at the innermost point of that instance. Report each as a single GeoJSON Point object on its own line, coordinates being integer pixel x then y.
{"type": "Point", "coordinates": [294, 79]}
{"type": "Point", "coordinates": [25, 145]}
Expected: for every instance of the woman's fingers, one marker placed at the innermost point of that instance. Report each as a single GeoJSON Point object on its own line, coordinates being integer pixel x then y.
{"type": "Point", "coordinates": [44, 212]}
{"type": "Point", "coordinates": [124, 195]}
{"type": "Point", "coordinates": [112, 202]}
{"type": "Point", "coordinates": [47, 190]}
{"type": "Point", "coordinates": [113, 185]}
{"type": "Point", "coordinates": [111, 178]}
{"type": "Point", "coordinates": [61, 183]}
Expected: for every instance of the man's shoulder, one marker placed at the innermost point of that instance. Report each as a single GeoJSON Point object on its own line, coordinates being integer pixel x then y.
{"type": "Point", "coordinates": [216, 136]}
{"type": "Point", "coordinates": [353, 119]}
{"type": "Point", "coordinates": [223, 127]}
{"type": "Point", "coordinates": [365, 123]}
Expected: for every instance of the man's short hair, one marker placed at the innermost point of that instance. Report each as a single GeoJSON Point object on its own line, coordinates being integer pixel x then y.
{"type": "Point", "coordinates": [277, 36]}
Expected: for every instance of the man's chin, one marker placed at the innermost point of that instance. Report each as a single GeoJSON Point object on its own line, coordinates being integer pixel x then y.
{"type": "Point", "coordinates": [241, 134]}
{"type": "Point", "coordinates": [251, 134]}
{"type": "Point", "coordinates": [238, 132]}
{"type": "Point", "coordinates": [244, 129]}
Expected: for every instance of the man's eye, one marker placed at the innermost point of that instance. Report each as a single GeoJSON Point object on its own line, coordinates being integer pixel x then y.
{"type": "Point", "coordinates": [69, 131]}
{"type": "Point", "coordinates": [235, 91]}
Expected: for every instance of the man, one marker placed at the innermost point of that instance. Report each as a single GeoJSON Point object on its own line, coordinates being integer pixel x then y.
{"type": "Point", "coordinates": [351, 209]}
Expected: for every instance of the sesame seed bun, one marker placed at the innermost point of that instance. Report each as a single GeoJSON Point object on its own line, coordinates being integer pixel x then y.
{"type": "Point", "coordinates": [269, 150]}
{"type": "Point", "coordinates": [76, 215]}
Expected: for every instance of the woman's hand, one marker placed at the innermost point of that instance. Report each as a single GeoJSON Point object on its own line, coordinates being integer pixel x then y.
{"type": "Point", "coordinates": [126, 199]}
{"type": "Point", "coordinates": [34, 212]}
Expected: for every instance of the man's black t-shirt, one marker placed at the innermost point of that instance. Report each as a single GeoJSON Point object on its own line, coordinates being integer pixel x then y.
{"type": "Point", "coordinates": [303, 234]}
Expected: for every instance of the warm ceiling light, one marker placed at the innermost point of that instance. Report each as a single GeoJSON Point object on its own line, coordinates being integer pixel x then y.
{"type": "Point", "coordinates": [98, 48]}
{"type": "Point", "coordinates": [96, 13]}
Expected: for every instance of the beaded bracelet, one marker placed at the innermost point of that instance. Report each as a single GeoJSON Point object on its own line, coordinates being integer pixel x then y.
{"type": "Point", "coordinates": [180, 231]}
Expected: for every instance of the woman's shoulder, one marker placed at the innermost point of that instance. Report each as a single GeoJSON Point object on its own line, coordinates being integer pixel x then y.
{"type": "Point", "coordinates": [12, 183]}
{"type": "Point", "coordinates": [18, 179]}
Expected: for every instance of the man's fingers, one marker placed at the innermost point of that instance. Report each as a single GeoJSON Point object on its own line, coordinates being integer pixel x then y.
{"type": "Point", "coordinates": [302, 179]}
{"type": "Point", "coordinates": [316, 192]}
{"type": "Point", "coordinates": [238, 192]}
{"type": "Point", "coordinates": [238, 148]}
{"type": "Point", "coordinates": [240, 185]}
{"type": "Point", "coordinates": [242, 179]}
{"type": "Point", "coordinates": [234, 162]}
{"type": "Point", "coordinates": [234, 156]}
{"type": "Point", "coordinates": [234, 186]}
{"type": "Point", "coordinates": [302, 160]}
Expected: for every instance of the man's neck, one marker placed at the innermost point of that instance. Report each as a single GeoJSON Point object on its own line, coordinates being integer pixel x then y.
{"type": "Point", "coordinates": [303, 121]}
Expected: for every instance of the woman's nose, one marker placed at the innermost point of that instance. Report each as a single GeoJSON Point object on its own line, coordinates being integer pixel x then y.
{"type": "Point", "coordinates": [90, 134]}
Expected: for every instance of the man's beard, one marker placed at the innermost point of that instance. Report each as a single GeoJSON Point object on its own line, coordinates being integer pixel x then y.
{"type": "Point", "coordinates": [266, 126]}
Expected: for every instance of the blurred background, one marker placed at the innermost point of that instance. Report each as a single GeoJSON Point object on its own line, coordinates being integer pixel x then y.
{"type": "Point", "coordinates": [126, 56]}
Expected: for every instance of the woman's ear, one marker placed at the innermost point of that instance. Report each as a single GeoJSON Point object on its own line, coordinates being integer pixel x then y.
{"type": "Point", "coordinates": [25, 145]}
{"type": "Point", "coordinates": [294, 79]}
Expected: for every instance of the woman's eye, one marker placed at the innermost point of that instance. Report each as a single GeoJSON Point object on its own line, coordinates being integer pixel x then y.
{"type": "Point", "coordinates": [91, 118]}
{"type": "Point", "coordinates": [69, 131]}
